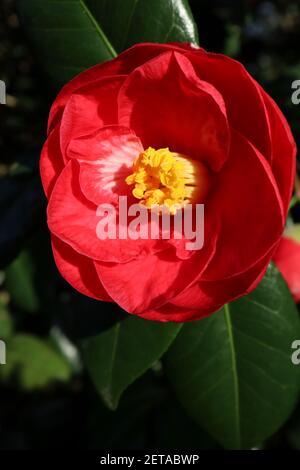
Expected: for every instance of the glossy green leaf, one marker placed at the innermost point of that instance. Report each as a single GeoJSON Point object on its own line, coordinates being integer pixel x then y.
{"type": "Point", "coordinates": [127, 22]}
{"type": "Point", "coordinates": [19, 280]}
{"type": "Point", "coordinates": [66, 37]}
{"type": "Point", "coordinates": [119, 355]}
{"type": "Point", "coordinates": [233, 372]}
{"type": "Point", "coordinates": [292, 430]}
{"type": "Point", "coordinates": [33, 363]}
{"type": "Point", "coordinates": [72, 35]}
{"type": "Point", "coordinates": [21, 203]}
{"type": "Point", "coordinates": [6, 323]}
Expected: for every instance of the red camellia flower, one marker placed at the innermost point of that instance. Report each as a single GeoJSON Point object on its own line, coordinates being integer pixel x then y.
{"type": "Point", "coordinates": [287, 259]}
{"type": "Point", "coordinates": [166, 124]}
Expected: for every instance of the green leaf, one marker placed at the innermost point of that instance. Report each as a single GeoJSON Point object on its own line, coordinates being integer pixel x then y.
{"type": "Point", "coordinates": [128, 426]}
{"type": "Point", "coordinates": [233, 372]}
{"type": "Point", "coordinates": [6, 323]}
{"type": "Point", "coordinates": [175, 430]}
{"type": "Point", "coordinates": [20, 208]}
{"type": "Point", "coordinates": [19, 280]}
{"type": "Point", "coordinates": [127, 22]}
{"type": "Point", "coordinates": [66, 36]}
{"type": "Point", "coordinates": [69, 38]}
{"type": "Point", "coordinates": [292, 430]}
{"type": "Point", "coordinates": [34, 363]}
{"type": "Point", "coordinates": [119, 355]}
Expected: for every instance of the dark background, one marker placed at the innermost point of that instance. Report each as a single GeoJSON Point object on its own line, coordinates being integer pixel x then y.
{"type": "Point", "coordinates": [45, 407]}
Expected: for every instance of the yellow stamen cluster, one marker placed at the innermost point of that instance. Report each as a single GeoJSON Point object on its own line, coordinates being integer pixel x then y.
{"type": "Point", "coordinates": [162, 178]}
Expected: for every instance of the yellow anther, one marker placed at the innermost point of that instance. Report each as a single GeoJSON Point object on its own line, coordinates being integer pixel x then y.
{"type": "Point", "coordinates": [164, 178]}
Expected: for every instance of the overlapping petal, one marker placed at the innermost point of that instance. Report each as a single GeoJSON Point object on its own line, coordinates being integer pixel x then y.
{"type": "Point", "coordinates": [283, 151]}
{"type": "Point", "coordinates": [125, 63]}
{"type": "Point", "coordinates": [90, 108]}
{"type": "Point", "coordinates": [74, 219]}
{"type": "Point", "coordinates": [51, 161]}
{"type": "Point", "coordinates": [203, 298]}
{"type": "Point", "coordinates": [106, 158]}
{"type": "Point", "coordinates": [248, 202]}
{"type": "Point", "coordinates": [78, 270]}
{"type": "Point", "coordinates": [149, 283]}
{"type": "Point", "coordinates": [242, 95]}
{"type": "Point", "coordinates": [287, 260]}
{"type": "Point", "coordinates": [167, 105]}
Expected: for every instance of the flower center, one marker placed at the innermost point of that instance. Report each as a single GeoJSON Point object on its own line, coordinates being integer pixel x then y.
{"type": "Point", "coordinates": [164, 178]}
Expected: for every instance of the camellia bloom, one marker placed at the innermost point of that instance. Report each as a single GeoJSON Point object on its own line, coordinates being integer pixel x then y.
{"type": "Point", "coordinates": [166, 124]}
{"type": "Point", "coordinates": [287, 260]}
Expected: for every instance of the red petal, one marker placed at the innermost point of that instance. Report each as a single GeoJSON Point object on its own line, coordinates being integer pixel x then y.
{"type": "Point", "coordinates": [112, 152]}
{"type": "Point", "coordinates": [242, 95]}
{"type": "Point", "coordinates": [284, 151]}
{"type": "Point", "coordinates": [123, 64]}
{"type": "Point", "coordinates": [149, 282]}
{"type": "Point", "coordinates": [287, 259]}
{"type": "Point", "coordinates": [74, 219]}
{"type": "Point", "coordinates": [89, 109]}
{"type": "Point", "coordinates": [202, 299]}
{"type": "Point", "coordinates": [51, 161]}
{"type": "Point", "coordinates": [250, 207]}
{"type": "Point", "coordinates": [165, 103]}
{"type": "Point", "coordinates": [78, 271]}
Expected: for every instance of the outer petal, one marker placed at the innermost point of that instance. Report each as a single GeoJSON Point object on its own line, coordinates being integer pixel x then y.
{"type": "Point", "coordinates": [123, 64]}
{"type": "Point", "coordinates": [242, 95]}
{"type": "Point", "coordinates": [165, 103]}
{"type": "Point", "coordinates": [284, 151]}
{"type": "Point", "coordinates": [51, 161]}
{"type": "Point", "coordinates": [204, 298]}
{"type": "Point", "coordinates": [287, 259]}
{"type": "Point", "coordinates": [247, 198]}
{"type": "Point", "coordinates": [148, 283]}
{"type": "Point", "coordinates": [78, 271]}
{"type": "Point", "coordinates": [74, 219]}
{"type": "Point", "coordinates": [89, 109]}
